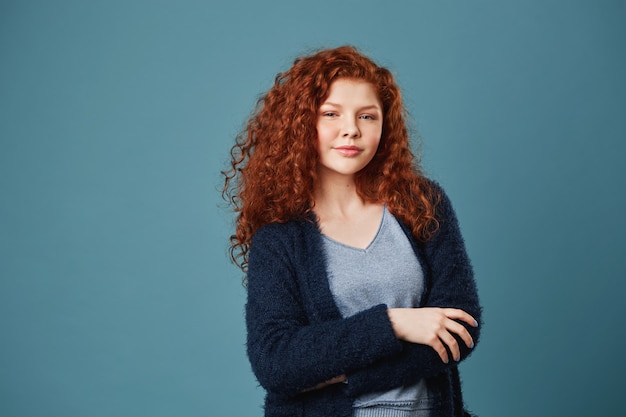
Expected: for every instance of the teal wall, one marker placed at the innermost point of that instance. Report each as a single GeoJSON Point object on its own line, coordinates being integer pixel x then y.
{"type": "Point", "coordinates": [116, 294]}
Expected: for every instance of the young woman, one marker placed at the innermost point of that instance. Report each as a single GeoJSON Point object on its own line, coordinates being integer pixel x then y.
{"type": "Point", "coordinates": [361, 297]}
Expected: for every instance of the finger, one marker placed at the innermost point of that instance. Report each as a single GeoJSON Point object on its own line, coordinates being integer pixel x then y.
{"type": "Point", "coordinates": [461, 331]}
{"type": "Point", "coordinates": [440, 349]}
{"type": "Point", "coordinates": [452, 344]}
{"type": "Point", "coordinates": [458, 314]}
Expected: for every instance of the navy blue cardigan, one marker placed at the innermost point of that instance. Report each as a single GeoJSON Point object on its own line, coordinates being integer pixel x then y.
{"type": "Point", "coordinates": [298, 339]}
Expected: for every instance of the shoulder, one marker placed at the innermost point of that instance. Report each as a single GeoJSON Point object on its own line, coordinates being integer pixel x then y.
{"type": "Point", "coordinates": [282, 250]}
{"type": "Point", "coordinates": [273, 232]}
{"type": "Point", "coordinates": [447, 239]}
{"type": "Point", "coordinates": [447, 234]}
{"type": "Point", "coordinates": [287, 238]}
{"type": "Point", "coordinates": [434, 192]}
{"type": "Point", "coordinates": [443, 205]}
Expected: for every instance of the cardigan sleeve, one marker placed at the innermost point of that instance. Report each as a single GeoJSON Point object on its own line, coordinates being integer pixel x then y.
{"type": "Point", "coordinates": [287, 352]}
{"type": "Point", "coordinates": [451, 285]}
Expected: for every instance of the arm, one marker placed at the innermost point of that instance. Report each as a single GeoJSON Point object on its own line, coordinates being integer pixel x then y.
{"type": "Point", "coordinates": [451, 286]}
{"type": "Point", "coordinates": [288, 353]}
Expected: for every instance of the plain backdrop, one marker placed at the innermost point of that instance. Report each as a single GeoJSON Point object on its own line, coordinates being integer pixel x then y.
{"type": "Point", "coordinates": [117, 297]}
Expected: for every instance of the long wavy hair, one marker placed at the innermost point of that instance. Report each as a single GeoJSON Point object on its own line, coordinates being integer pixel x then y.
{"type": "Point", "coordinates": [273, 172]}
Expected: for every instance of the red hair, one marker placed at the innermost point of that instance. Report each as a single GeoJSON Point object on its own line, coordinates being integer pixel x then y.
{"type": "Point", "coordinates": [273, 170]}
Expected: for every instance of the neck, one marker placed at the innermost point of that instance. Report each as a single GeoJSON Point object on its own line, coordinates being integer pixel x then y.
{"type": "Point", "coordinates": [337, 193]}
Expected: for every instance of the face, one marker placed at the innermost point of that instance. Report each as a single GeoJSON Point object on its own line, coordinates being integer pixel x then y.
{"type": "Point", "coordinates": [349, 126]}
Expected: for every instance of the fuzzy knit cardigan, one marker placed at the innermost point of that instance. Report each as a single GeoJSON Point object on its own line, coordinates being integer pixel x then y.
{"type": "Point", "coordinates": [297, 337]}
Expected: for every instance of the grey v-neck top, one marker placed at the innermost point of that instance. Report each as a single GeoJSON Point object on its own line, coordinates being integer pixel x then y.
{"type": "Point", "coordinates": [388, 272]}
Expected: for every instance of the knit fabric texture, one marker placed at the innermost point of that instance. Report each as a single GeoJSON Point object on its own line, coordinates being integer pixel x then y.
{"type": "Point", "coordinates": [297, 337]}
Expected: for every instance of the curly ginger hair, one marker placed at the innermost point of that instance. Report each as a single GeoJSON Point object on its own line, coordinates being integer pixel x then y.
{"type": "Point", "coordinates": [273, 173]}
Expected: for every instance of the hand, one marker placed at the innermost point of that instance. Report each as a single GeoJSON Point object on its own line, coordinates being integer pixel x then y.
{"type": "Point", "coordinates": [433, 327]}
{"type": "Point", "coordinates": [335, 380]}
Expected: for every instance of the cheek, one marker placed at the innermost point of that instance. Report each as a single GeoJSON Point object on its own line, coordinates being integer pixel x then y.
{"type": "Point", "coordinates": [375, 134]}
{"type": "Point", "coordinates": [324, 134]}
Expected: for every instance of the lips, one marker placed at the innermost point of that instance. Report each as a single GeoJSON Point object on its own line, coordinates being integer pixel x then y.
{"type": "Point", "coordinates": [348, 150]}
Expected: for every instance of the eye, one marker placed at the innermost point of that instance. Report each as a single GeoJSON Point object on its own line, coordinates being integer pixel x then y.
{"type": "Point", "coordinates": [329, 114]}
{"type": "Point", "coordinates": [367, 117]}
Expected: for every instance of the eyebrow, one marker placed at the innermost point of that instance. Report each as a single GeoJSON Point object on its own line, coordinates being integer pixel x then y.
{"type": "Point", "coordinates": [368, 107]}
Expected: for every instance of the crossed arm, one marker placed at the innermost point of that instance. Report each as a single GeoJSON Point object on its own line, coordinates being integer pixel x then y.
{"type": "Point", "coordinates": [377, 349]}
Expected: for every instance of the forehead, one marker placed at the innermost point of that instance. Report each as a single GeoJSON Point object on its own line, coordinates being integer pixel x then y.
{"type": "Point", "coordinates": [348, 91]}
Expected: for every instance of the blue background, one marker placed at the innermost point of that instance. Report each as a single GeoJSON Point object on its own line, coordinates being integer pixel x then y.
{"type": "Point", "coordinates": [116, 295]}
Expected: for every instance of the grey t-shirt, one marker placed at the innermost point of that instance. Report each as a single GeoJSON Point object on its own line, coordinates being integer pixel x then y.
{"type": "Point", "coordinates": [388, 272]}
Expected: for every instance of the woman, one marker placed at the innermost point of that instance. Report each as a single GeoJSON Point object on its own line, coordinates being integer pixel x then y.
{"type": "Point", "coordinates": [361, 297]}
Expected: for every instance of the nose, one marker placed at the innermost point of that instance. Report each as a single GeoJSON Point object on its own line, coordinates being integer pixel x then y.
{"type": "Point", "coordinates": [350, 129]}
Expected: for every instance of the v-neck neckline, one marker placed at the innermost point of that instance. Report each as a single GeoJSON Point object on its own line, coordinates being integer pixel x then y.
{"type": "Point", "coordinates": [369, 245]}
